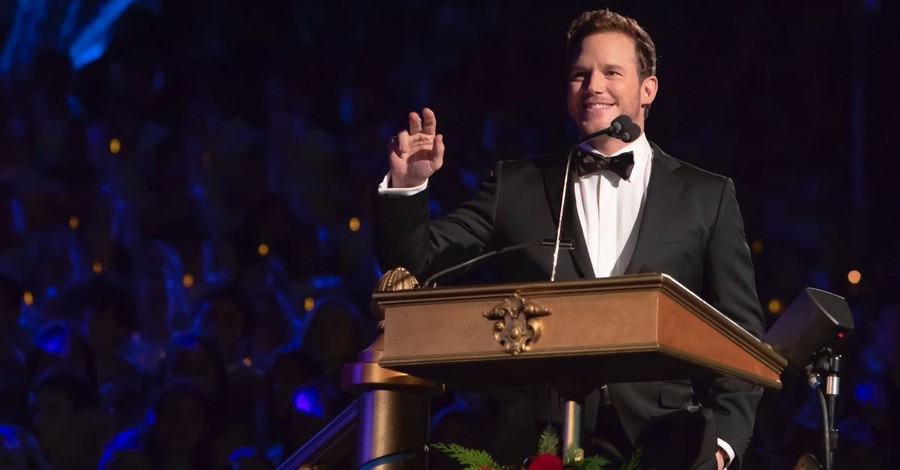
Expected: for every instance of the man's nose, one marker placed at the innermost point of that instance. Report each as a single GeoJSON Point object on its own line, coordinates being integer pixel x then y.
{"type": "Point", "coordinates": [596, 83]}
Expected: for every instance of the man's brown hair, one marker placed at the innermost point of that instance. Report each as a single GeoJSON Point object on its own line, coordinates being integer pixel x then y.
{"type": "Point", "coordinates": [599, 21]}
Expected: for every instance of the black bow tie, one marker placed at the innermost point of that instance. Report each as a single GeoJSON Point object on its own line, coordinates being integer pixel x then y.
{"type": "Point", "coordinates": [589, 162]}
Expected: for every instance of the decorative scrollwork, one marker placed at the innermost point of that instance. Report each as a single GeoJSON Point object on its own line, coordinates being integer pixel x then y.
{"type": "Point", "coordinates": [516, 324]}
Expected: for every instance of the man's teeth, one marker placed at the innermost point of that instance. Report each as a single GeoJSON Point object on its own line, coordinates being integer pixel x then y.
{"type": "Point", "coordinates": [598, 106]}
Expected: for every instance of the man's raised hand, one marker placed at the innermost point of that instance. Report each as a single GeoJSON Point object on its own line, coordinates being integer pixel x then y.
{"type": "Point", "coordinates": [415, 154]}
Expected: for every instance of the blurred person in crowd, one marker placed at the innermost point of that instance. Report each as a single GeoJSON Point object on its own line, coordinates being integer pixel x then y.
{"type": "Point", "coordinates": [161, 303]}
{"type": "Point", "coordinates": [334, 333]}
{"type": "Point", "coordinates": [102, 219]}
{"type": "Point", "coordinates": [227, 317]}
{"type": "Point", "coordinates": [66, 422]}
{"type": "Point", "coordinates": [174, 205]}
{"type": "Point", "coordinates": [274, 221]}
{"type": "Point", "coordinates": [181, 429]}
{"type": "Point", "coordinates": [299, 400]}
{"type": "Point", "coordinates": [176, 433]}
{"type": "Point", "coordinates": [245, 408]}
{"type": "Point", "coordinates": [104, 307]}
{"type": "Point", "coordinates": [194, 359]}
{"type": "Point", "coordinates": [18, 449]}
{"type": "Point", "coordinates": [277, 325]}
{"type": "Point", "coordinates": [58, 345]}
{"type": "Point", "coordinates": [53, 258]}
{"type": "Point", "coordinates": [57, 132]}
{"type": "Point", "coordinates": [264, 272]}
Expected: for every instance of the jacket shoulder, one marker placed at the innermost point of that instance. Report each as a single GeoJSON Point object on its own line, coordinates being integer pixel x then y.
{"type": "Point", "coordinates": [688, 171]}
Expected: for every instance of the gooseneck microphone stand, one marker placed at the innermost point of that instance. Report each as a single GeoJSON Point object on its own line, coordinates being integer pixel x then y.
{"type": "Point", "coordinates": [826, 363]}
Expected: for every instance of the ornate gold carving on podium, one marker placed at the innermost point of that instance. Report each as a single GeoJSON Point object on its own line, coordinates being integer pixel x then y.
{"type": "Point", "coordinates": [516, 325]}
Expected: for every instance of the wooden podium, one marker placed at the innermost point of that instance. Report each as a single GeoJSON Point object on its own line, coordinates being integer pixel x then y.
{"type": "Point", "coordinates": [623, 329]}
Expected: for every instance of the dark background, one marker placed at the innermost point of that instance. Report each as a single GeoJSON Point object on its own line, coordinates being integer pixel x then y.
{"type": "Point", "coordinates": [152, 141]}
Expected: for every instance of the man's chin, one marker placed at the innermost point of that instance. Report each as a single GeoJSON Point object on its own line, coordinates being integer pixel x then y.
{"type": "Point", "coordinates": [596, 123]}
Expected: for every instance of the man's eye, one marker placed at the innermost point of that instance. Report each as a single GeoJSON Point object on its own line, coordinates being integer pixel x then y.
{"type": "Point", "coordinates": [577, 77]}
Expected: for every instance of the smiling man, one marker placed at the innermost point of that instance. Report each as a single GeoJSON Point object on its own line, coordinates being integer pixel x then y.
{"type": "Point", "coordinates": [654, 213]}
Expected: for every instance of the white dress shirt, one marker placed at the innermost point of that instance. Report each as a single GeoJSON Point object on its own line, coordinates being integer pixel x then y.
{"type": "Point", "coordinates": [610, 208]}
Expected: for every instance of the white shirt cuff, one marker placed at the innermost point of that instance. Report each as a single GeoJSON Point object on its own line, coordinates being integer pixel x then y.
{"type": "Point", "coordinates": [728, 450]}
{"type": "Point", "coordinates": [384, 188]}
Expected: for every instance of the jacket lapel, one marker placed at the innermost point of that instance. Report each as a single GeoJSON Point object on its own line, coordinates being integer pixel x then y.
{"type": "Point", "coordinates": [571, 227]}
{"type": "Point", "coordinates": [662, 193]}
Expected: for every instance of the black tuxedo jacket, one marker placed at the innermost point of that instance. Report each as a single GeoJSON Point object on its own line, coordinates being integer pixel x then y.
{"type": "Point", "coordinates": [691, 229]}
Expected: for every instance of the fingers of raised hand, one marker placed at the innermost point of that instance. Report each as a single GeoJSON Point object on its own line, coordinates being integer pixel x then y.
{"type": "Point", "coordinates": [429, 121]}
{"type": "Point", "coordinates": [403, 142]}
{"type": "Point", "coordinates": [415, 123]}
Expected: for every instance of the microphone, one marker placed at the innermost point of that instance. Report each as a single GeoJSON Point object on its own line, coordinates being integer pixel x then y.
{"type": "Point", "coordinates": [557, 244]}
{"type": "Point", "coordinates": [622, 128]}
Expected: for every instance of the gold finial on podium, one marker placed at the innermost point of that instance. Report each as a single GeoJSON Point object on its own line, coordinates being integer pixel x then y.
{"type": "Point", "coordinates": [393, 280]}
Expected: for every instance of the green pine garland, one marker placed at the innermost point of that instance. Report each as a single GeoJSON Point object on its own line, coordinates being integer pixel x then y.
{"type": "Point", "coordinates": [549, 442]}
{"type": "Point", "coordinates": [475, 459]}
{"type": "Point", "coordinates": [471, 459]}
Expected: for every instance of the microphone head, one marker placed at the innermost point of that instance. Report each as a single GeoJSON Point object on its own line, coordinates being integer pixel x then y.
{"type": "Point", "coordinates": [620, 123]}
{"type": "Point", "coordinates": [616, 126]}
{"type": "Point", "coordinates": [624, 129]}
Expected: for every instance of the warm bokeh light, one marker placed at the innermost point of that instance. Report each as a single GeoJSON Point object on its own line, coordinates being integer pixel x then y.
{"type": "Point", "coordinates": [263, 249]}
{"type": "Point", "coordinates": [757, 246]}
{"type": "Point", "coordinates": [97, 267]}
{"type": "Point", "coordinates": [247, 362]}
{"type": "Point", "coordinates": [115, 145]}
{"type": "Point", "coordinates": [354, 224]}
{"type": "Point", "coordinates": [187, 280]}
{"type": "Point", "coordinates": [774, 306]}
{"type": "Point", "coordinates": [309, 303]}
{"type": "Point", "coordinates": [73, 222]}
{"type": "Point", "coordinates": [28, 298]}
{"type": "Point", "coordinates": [854, 276]}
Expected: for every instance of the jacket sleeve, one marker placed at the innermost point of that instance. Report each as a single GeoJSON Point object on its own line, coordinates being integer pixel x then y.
{"type": "Point", "coordinates": [406, 236]}
{"type": "Point", "coordinates": [729, 285]}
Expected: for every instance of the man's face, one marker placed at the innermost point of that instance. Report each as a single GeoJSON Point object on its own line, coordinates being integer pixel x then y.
{"type": "Point", "coordinates": [605, 82]}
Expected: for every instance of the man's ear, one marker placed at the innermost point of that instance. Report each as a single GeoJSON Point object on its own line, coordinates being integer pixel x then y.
{"type": "Point", "coordinates": [649, 87]}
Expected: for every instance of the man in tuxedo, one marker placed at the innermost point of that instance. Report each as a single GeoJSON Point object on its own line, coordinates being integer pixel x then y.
{"type": "Point", "coordinates": [654, 213]}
